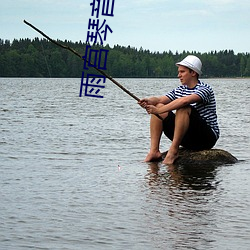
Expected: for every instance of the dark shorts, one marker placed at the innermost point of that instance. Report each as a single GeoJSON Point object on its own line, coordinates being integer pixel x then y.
{"type": "Point", "coordinates": [199, 135]}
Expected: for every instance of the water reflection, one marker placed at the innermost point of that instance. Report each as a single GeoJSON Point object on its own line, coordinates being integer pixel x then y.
{"type": "Point", "coordinates": [183, 177]}
{"type": "Point", "coordinates": [183, 198]}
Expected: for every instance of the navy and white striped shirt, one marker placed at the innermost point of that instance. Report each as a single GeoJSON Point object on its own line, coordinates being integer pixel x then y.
{"type": "Point", "coordinates": [206, 108]}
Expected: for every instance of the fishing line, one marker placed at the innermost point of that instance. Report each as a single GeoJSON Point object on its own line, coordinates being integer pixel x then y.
{"type": "Point", "coordinates": [84, 59]}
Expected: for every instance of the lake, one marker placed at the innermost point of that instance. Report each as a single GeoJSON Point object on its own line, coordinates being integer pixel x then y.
{"type": "Point", "coordinates": [72, 174]}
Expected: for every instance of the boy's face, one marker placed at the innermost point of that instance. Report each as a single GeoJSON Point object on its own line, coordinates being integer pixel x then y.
{"type": "Point", "coordinates": [185, 75]}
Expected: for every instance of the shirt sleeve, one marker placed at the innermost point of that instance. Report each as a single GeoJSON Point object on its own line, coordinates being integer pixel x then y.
{"type": "Point", "coordinates": [205, 94]}
{"type": "Point", "coordinates": [171, 95]}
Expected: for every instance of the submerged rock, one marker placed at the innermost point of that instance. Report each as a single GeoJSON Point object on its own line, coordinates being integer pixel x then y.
{"type": "Point", "coordinates": [204, 157]}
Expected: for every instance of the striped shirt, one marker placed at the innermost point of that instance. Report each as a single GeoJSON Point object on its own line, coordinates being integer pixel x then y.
{"type": "Point", "coordinates": [206, 108]}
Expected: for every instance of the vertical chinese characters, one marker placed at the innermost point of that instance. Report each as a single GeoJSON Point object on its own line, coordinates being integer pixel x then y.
{"type": "Point", "coordinates": [98, 31]}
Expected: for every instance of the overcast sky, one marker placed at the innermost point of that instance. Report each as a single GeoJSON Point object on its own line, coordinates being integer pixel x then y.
{"type": "Point", "coordinates": [157, 25]}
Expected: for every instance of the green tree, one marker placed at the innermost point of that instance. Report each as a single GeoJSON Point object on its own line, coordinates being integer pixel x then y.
{"type": "Point", "coordinates": [41, 58]}
{"type": "Point", "coordinates": [247, 69]}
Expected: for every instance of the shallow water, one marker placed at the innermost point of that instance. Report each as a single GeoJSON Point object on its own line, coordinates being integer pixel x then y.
{"type": "Point", "coordinates": [72, 175]}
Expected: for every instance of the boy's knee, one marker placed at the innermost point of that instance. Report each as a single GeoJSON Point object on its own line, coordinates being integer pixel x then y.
{"type": "Point", "coordinates": [184, 110]}
{"type": "Point", "coordinates": [159, 105]}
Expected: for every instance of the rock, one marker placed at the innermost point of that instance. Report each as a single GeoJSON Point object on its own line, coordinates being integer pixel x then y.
{"type": "Point", "coordinates": [213, 157]}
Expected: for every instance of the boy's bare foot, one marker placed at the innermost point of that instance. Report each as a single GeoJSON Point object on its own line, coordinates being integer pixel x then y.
{"type": "Point", "coordinates": [170, 157]}
{"type": "Point", "coordinates": [153, 156]}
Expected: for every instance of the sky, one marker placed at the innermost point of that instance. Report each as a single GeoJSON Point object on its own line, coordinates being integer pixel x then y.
{"type": "Point", "coordinates": [155, 25]}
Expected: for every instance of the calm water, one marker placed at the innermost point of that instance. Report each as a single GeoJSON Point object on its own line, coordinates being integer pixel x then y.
{"type": "Point", "coordinates": [72, 175]}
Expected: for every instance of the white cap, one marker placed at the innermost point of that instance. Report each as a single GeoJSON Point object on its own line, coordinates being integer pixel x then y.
{"type": "Point", "coordinates": [191, 62]}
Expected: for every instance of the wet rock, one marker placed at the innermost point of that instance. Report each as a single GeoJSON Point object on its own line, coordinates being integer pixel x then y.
{"type": "Point", "coordinates": [204, 157]}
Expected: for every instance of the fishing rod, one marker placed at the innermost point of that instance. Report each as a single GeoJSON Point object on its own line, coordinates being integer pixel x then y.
{"type": "Point", "coordinates": [84, 59]}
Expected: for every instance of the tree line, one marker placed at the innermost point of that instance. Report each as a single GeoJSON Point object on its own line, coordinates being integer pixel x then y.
{"type": "Point", "coordinates": [41, 58]}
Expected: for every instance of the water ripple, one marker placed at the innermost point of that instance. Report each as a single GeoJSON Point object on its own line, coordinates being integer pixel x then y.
{"type": "Point", "coordinates": [72, 175]}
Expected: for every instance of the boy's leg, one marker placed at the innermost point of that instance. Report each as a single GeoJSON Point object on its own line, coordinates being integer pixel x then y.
{"type": "Point", "coordinates": [156, 128]}
{"type": "Point", "coordinates": [199, 135]}
{"type": "Point", "coordinates": [181, 127]}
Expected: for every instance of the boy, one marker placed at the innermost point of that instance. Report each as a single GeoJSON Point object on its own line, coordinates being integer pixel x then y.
{"type": "Point", "coordinates": [194, 125]}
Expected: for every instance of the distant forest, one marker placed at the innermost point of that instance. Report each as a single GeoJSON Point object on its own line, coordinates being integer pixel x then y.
{"type": "Point", "coordinates": [41, 58]}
